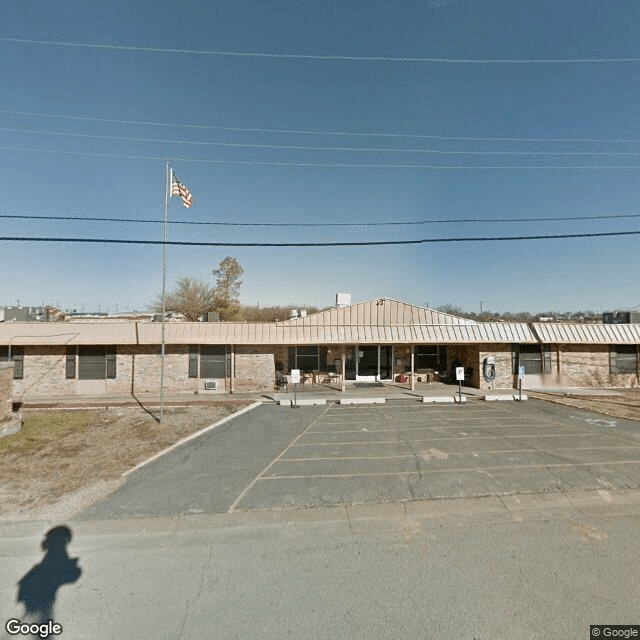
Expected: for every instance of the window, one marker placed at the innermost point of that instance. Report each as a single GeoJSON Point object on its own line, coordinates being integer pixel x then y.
{"type": "Point", "coordinates": [17, 355]}
{"type": "Point", "coordinates": [623, 358]}
{"type": "Point", "coordinates": [208, 361]}
{"type": "Point", "coordinates": [534, 358]}
{"type": "Point", "coordinates": [430, 356]}
{"type": "Point", "coordinates": [95, 362]}
{"type": "Point", "coordinates": [70, 364]}
{"type": "Point", "coordinates": [308, 359]}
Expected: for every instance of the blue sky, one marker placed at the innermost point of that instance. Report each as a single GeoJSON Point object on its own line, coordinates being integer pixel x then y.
{"type": "Point", "coordinates": [231, 97]}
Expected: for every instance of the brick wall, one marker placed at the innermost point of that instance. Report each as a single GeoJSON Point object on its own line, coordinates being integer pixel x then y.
{"type": "Point", "coordinates": [402, 351]}
{"type": "Point", "coordinates": [588, 366]}
{"type": "Point", "coordinates": [254, 369]}
{"type": "Point", "coordinates": [144, 361]}
{"type": "Point", "coordinates": [44, 374]}
{"type": "Point", "coordinates": [138, 370]}
{"type": "Point", "coordinates": [6, 397]}
{"type": "Point", "coordinates": [504, 376]}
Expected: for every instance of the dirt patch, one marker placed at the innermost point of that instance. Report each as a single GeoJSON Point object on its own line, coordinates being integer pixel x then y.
{"type": "Point", "coordinates": [623, 404]}
{"type": "Point", "coordinates": [60, 452]}
{"type": "Point", "coordinates": [428, 454]}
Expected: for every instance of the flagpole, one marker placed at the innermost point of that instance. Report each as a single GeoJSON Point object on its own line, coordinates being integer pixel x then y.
{"type": "Point", "coordinates": [164, 283]}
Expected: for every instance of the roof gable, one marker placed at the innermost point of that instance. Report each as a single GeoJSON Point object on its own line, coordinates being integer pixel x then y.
{"type": "Point", "coordinates": [381, 311]}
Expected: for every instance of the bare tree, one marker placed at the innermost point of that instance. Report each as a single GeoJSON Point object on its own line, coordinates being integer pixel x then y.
{"type": "Point", "coordinates": [191, 297]}
{"type": "Point", "coordinates": [227, 289]}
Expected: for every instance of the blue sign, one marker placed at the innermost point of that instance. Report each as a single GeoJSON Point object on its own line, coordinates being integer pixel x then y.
{"type": "Point", "coordinates": [521, 372]}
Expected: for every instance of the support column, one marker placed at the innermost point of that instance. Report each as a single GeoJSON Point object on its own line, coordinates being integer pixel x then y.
{"type": "Point", "coordinates": [232, 372]}
{"type": "Point", "coordinates": [343, 367]}
{"type": "Point", "coordinates": [413, 381]}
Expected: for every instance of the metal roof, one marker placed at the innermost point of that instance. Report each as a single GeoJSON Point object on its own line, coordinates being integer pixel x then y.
{"type": "Point", "coordinates": [571, 333]}
{"type": "Point", "coordinates": [232, 333]}
{"type": "Point", "coordinates": [260, 333]}
{"type": "Point", "coordinates": [60, 333]}
{"type": "Point", "coordinates": [285, 333]}
{"type": "Point", "coordinates": [381, 311]}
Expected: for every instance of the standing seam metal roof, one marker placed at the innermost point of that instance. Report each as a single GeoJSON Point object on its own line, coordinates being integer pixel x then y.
{"type": "Point", "coordinates": [146, 333]}
{"type": "Point", "coordinates": [588, 333]}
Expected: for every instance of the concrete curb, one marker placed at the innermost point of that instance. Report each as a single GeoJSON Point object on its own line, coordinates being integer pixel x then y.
{"type": "Point", "coordinates": [192, 437]}
{"type": "Point", "coordinates": [302, 402]}
{"type": "Point", "coordinates": [447, 399]}
{"type": "Point", "coordinates": [494, 398]}
{"type": "Point", "coordinates": [362, 400]}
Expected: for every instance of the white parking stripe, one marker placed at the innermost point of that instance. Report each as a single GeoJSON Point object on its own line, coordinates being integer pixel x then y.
{"type": "Point", "coordinates": [422, 472]}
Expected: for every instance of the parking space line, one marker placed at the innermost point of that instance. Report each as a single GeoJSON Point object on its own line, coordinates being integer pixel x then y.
{"type": "Point", "coordinates": [419, 418]}
{"type": "Point", "coordinates": [248, 488]}
{"type": "Point", "coordinates": [423, 471]}
{"type": "Point", "coordinates": [458, 453]}
{"type": "Point", "coordinates": [549, 435]}
{"type": "Point", "coordinates": [456, 426]}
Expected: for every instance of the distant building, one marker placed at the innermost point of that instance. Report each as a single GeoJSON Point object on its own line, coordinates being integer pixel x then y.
{"type": "Point", "coordinates": [24, 314]}
{"type": "Point", "coordinates": [621, 317]}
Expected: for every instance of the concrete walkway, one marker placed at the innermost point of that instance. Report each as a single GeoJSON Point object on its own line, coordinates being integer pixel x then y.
{"type": "Point", "coordinates": [330, 393]}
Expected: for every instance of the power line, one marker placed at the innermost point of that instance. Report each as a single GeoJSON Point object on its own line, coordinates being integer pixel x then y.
{"type": "Point", "coordinates": [244, 145]}
{"type": "Point", "coordinates": [318, 224]}
{"type": "Point", "coordinates": [378, 134]}
{"type": "Point", "coordinates": [325, 58]}
{"type": "Point", "coordinates": [315, 244]}
{"type": "Point", "coordinates": [339, 165]}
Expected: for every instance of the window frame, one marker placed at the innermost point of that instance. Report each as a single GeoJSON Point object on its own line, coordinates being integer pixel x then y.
{"type": "Point", "coordinates": [108, 356]}
{"type": "Point", "coordinates": [623, 359]}
{"type": "Point", "coordinates": [439, 353]}
{"type": "Point", "coordinates": [17, 357]}
{"type": "Point", "coordinates": [540, 356]}
{"type": "Point", "coordinates": [210, 360]}
{"type": "Point", "coordinates": [320, 357]}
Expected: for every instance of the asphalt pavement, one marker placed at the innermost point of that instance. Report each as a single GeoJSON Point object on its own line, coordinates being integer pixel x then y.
{"type": "Point", "coordinates": [275, 457]}
{"type": "Point", "coordinates": [482, 521]}
{"type": "Point", "coordinates": [537, 566]}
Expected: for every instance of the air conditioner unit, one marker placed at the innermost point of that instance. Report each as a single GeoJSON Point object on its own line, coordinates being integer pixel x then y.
{"type": "Point", "coordinates": [210, 385]}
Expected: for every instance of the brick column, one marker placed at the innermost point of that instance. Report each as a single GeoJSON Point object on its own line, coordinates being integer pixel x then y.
{"type": "Point", "coordinates": [232, 372]}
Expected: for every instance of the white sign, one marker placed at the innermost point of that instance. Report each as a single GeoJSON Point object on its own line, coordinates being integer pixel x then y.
{"type": "Point", "coordinates": [521, 372]}
{"type": "Point", "coordinates": [459, 373]}
{"type": "Point", "coordinates": [295, 376]}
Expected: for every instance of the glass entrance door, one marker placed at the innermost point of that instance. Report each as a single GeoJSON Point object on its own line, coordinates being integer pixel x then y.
{"type": "Point", "coordinates": [373, 363]}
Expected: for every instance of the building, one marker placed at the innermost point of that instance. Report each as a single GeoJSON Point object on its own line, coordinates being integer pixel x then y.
{"type": "Point", "coordinates": [24, 314]}
{"type": "Point", "coordinates": [381, 339]}
{"type": "Point", "coordinates": [621, 317]}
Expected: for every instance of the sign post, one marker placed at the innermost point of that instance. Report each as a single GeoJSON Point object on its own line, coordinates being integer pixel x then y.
{"type": "Point", "coordinates": [295, 379]}
{"type": "Point", "coordinates": [521, 373]}
{"type": "Point", "coordinates": [460, 378]}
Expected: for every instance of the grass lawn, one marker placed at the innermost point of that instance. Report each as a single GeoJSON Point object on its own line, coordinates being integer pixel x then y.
{"type": "Point", "coordinates": [60, 451]}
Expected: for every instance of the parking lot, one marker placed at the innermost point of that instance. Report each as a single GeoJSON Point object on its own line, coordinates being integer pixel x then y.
{"type": "Point", "coordinates": [276, 457]}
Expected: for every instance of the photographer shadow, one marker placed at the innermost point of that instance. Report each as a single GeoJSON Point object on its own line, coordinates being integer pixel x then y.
{"type": "Point", "coordinates": [37, 589]}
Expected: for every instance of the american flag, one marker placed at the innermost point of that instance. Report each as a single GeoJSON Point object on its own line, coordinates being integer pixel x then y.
{"type": "Point", "coordinates": [178, 189]}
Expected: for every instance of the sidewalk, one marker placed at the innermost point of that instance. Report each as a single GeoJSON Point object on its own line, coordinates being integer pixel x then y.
{"type": "Point", "coordinates": [387, 390]}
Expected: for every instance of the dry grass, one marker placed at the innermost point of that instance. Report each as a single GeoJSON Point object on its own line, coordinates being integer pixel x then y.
{"type": "Point", "coordinates": [623, 404]}
{"type": "Point", "coordinates": [58, 452]}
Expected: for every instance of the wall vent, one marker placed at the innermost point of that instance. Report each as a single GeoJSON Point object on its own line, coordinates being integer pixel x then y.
{"type": "Point", "coordinates": [210, 385]}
